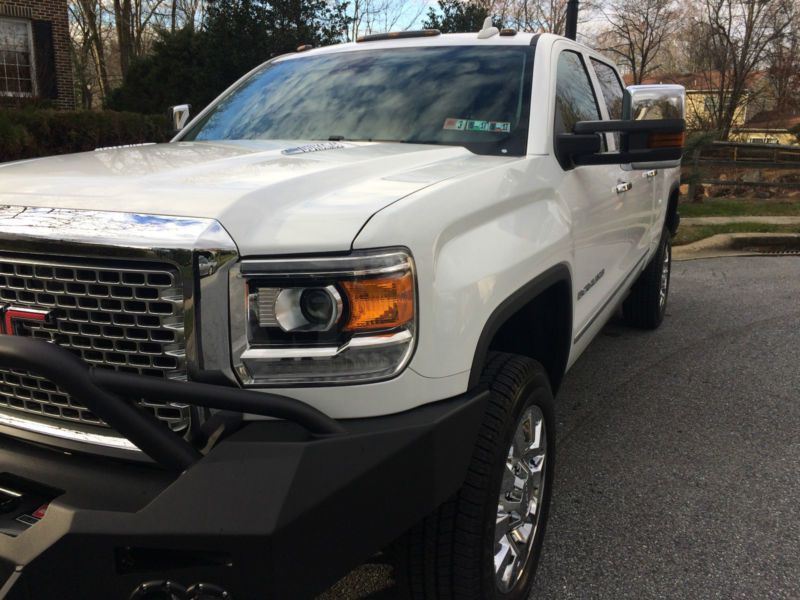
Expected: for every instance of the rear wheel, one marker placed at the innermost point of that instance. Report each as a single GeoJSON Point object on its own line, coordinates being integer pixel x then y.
{"type": "Point", "coordinates": [485, 542]}
{"type": "Point", "coordinates": [646, 304]}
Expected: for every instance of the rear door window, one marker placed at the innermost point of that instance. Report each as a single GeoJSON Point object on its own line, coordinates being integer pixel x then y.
{"type": "Point", "coordinates": [612, 90]}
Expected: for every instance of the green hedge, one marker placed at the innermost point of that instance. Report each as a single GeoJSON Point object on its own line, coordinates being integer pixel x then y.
{"type": "Point", "coordinates": [30, 133]}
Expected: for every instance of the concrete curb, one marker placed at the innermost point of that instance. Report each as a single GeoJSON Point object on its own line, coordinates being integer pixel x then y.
{"type": "Point", "coordinates": [736, 244]}
{"type": "Point", "coordinates": [778, 220]}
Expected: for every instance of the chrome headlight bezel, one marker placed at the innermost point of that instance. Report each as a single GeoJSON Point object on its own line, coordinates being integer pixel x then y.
{"type": "Point", "coordinates": [311, 356]}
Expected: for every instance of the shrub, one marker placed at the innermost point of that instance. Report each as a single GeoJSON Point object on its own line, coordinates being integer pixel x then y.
{"type": "Point", "coordinates": [696, 140]}
{"type": "Point", "coordinates": [177, 72]}
{"type": "Point", "coordinates": [33, 132]}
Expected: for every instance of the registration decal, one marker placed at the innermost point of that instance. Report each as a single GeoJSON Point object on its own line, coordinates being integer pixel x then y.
{"type": "Point", "coordinates": [455, 124]}
{"type": "Point", "coordinates": [475, 125]}
{"type": "Point", "coordinates": [500, 126]}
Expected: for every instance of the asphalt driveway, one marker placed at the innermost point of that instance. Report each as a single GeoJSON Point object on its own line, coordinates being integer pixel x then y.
{"type": "Point", "coordinates": [679, 451]}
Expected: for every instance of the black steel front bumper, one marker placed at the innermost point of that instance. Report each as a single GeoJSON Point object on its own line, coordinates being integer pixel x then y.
{"type": "Point", "coordinates": [278, 509]}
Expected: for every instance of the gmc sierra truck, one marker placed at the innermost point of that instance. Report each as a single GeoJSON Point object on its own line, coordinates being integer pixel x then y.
{"type": "Point", "coordinates": [327, 320]}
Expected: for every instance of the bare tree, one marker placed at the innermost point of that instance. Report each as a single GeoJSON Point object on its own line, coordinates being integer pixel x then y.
{"type": "Point", "coordinates": [132, 19]}
{"type": "Point", "coordinates": [784, 69]}
{"type": "Point", "coordinates": [82, 59]}
{"type": "Point", "coordinates": [177, 14]}
{"type": "Point", "coordinates": [732, 42]}
{"type": "Point", "coordinates": [677, 51]}
{"type": "Point", "coordinates": [371, 16]}
{"type": "Point", "coordinates": [107, 35]}
{"type": "Point", "coordinates": [539, 15]}
{"type": "Point", "coordinates": [533, 16]}
{"type": "Point", "coordinates": [86, 20]}
{"type": "Point", "coordinates": [190, 12]}
{"type": "Point", "coordinates": [636, 32]}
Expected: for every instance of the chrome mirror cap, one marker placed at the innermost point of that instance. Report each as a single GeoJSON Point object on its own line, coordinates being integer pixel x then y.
{"type": "Point", "coordinates": [654, 102]}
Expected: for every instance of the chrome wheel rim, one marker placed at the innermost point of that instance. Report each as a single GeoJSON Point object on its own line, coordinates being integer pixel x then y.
{"type": "Point", "coordinates": [519, 505]}
{"type": "Point", "coordinates": [665, 268]}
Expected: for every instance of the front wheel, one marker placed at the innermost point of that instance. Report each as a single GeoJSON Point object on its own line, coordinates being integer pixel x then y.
{"type": "Point", "coordinates": [646, 304]}
{"type": "Point", "coordinates": [485, 542]}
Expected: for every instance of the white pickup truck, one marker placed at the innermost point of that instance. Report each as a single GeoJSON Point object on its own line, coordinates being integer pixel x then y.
{"type": "Point", "coordinates": [328, 319]}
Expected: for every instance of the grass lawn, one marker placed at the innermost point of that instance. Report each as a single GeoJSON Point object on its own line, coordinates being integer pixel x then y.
{"type": "Point", "coordinates": [688, 234]}
{"type": "Point", "coordinates": [740, 208]}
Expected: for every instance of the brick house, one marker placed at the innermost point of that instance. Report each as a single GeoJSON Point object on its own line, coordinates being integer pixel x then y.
{"type": "Point", "coordinates": [35, 53]}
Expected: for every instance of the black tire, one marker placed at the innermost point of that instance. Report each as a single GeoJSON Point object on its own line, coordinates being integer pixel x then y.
{"type": "Point", "coordinates": [644, 308]}
{"type": "Point", "coordinates": [450, 554]}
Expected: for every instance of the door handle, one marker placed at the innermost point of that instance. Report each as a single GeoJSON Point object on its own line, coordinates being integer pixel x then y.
{"type": "Point", "coordinates": [623, 187]}
{"type": "Point", "coordinates": [650, 174]}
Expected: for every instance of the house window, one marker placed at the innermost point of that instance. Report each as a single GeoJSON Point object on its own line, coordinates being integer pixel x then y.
{"type": "Point", "coordinates": [16, 58]}
{"type": "Point", "coordinates": [709, 105]}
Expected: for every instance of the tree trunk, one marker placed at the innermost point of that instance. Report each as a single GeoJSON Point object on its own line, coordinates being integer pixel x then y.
{"type": "Point", "coordinates": [123, 18]}
{"type": "Point", "coordinates": [98, 52]}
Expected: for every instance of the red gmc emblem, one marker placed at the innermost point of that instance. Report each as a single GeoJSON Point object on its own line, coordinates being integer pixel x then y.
{"type": "Point", "coordinates": [13, 318]}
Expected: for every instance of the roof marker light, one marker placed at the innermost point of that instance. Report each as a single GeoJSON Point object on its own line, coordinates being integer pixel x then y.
{"type": "Point", "coordinates": [397, 35]}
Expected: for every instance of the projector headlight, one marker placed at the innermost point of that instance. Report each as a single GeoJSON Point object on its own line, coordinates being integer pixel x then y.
{"type": "Point", "coordinates": [349, 319]}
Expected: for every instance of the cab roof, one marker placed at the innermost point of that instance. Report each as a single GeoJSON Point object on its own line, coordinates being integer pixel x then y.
{"type": "Point", "coordinates": [421, 41]}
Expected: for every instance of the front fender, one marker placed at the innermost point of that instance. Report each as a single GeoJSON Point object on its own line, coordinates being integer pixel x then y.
{"type": "Point", "coordinates": [476, 241]}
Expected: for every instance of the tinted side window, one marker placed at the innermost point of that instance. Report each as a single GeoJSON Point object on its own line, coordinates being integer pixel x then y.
{"type": "Point", "coordinates": [575, 100]}
{"type": "Point", "coordinates": [610, 87]}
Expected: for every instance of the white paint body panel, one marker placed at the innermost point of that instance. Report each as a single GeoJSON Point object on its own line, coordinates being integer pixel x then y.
{"type": "Point", "coordinates": [479, 227]}
{"type": "Point", "coordinates": [269, 202]}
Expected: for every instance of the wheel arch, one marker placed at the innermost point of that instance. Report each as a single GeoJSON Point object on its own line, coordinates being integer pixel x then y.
{"type": "Point", "coordinates": [673, 218]}
{"type": "Point", "coordinates": [543, 309]}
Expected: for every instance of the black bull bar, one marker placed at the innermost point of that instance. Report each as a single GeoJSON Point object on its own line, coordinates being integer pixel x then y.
{"type": "Point", "coordinates": [104, 392]}
{"type": "Point", "coordinates": [277, 509]}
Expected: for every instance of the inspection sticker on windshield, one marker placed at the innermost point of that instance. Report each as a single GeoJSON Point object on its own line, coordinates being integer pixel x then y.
{"type": "Point", "coordinates": [472, 125]}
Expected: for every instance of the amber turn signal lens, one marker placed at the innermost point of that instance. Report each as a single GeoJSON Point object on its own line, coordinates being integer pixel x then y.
{"type": "Point", "coordinates": [380, 303]}
{"type": "Point", "coordinates": [665, 140]}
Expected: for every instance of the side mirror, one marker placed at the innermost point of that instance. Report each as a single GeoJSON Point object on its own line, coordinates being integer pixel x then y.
{"type": "Point", "coordinates": [179, 115]}
{"type": "Point", "coordinates": [656, 103]}
{"type": "Point", "coordinates": [651, 132]}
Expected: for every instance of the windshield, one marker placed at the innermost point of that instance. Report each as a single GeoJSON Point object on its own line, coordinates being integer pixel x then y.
{"type": "Point", "coordinates": [477, 97]}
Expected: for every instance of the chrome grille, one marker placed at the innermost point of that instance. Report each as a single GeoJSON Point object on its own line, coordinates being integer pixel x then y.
{"type": "Point", "coordinates": [124, 316]}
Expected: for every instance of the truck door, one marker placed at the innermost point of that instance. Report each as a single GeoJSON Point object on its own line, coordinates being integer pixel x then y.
{"type": "Point", "coordinates": [638, 208]}
{"type": "Point", "coordinates": [597, 197]}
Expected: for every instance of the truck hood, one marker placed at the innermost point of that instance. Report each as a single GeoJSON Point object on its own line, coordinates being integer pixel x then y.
{"type": "Point", "coordinates": [273, 197]}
